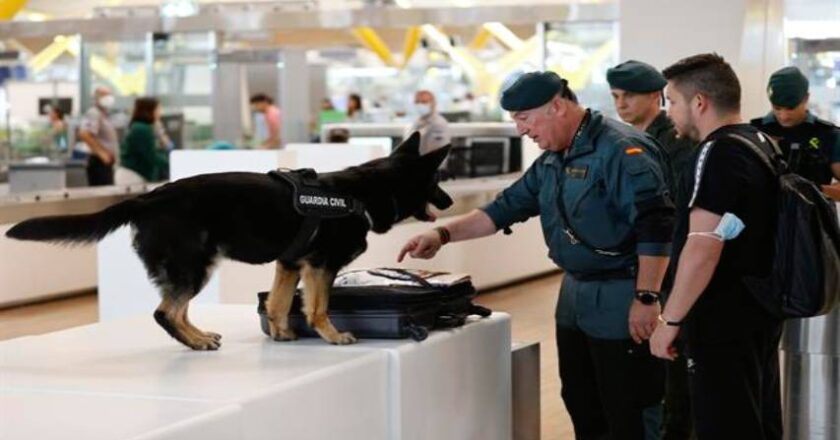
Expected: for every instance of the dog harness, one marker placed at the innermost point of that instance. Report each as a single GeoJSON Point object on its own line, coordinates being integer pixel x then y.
{"type": "Point", "coordinates": [313, 203]}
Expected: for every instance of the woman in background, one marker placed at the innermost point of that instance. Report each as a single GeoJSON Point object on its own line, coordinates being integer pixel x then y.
{"type": "Point", "coordinates": [58, 129]}
{"type": "Point", "coordinates": [139, 151]}
{"type": "Point", "coordinates": [355, 113]}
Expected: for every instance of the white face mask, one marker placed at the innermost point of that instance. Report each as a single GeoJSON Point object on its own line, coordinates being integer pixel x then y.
{"type": "Point", "coordinates": [423, 109]}
{"type": "Point", "coordinates": [106, 101]}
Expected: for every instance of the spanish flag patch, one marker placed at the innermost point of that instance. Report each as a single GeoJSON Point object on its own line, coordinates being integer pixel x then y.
{"type": "Point", "coordinates": [633, 150]}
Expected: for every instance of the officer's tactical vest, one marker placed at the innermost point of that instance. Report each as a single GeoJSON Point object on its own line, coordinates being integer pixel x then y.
{"type": "Point", "coordinates": [806, 148]}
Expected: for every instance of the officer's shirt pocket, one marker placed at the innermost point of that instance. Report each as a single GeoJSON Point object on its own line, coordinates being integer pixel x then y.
{"type": "Point", "coordinates": [587, 203]}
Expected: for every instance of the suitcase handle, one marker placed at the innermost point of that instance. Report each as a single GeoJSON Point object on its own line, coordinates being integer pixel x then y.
{"type": "Point", "coordinates": [449, 320]}
{"type": "Point", "coordinates": [480, 311]}
{"type": "Point", "coordinates": [411, 276]}
{"type": "Point", "coordinates": [417, 332]}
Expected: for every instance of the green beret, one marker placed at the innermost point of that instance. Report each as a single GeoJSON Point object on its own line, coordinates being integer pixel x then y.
{"type": "Point", "coordinates": [532, 90]}
{"type": "Point", "coordinates": [636, 76]}
{"type": "Point", "coordinates": [787, 87]}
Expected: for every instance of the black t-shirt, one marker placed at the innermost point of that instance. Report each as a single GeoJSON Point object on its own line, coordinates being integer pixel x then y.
{"type": "Point", "coordinates": [731, 179]}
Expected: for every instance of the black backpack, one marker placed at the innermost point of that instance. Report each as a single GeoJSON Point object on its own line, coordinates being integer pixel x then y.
{"type": "Point", "coordinates": [805, 277]}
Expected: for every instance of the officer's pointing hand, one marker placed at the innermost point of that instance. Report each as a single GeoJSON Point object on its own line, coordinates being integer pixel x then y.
{"type": "Point", "coordinates": [423, 246]}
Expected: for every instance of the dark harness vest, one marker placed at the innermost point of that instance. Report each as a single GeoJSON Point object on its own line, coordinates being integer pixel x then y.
{"type": "Point", "coordinates": [313, 203]}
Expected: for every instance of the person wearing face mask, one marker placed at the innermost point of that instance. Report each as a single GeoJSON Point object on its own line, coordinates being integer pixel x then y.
{"type": "Point", "coordinates": [98, 132]}
{"type": "Point", "coordinates": [601, 196]}
{"type": "Point", "coordinates": [811, 145]}
{"type": "Point", "coordinates": [433, 128]}
{"type": "Point", "coordinates": [726, 235]}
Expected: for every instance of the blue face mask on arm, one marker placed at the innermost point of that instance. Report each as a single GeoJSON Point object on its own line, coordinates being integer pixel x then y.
{"type": "Point", "coordinates": [729, 227]}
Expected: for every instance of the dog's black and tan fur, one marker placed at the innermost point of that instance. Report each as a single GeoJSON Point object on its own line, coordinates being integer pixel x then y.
{"type": "Point", "coordinates": [183, 227]}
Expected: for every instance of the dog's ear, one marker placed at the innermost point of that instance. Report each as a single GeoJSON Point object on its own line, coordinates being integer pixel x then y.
{"type": "Point", "coordinates": [435, 158]}
{"type": "Point", "coordinates": [440, 199]}
{"type": "Point", "coordinates": [409, 147]}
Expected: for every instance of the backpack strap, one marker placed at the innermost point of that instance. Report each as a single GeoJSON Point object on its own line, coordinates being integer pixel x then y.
{"type": "Point", "coordinates": [772, 161]}
{"type": "Point", "coordinates": [313, 203]}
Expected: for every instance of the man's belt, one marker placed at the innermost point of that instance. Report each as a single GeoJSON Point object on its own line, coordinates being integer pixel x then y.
{"type": "Point", "coordinates": [626, 273]}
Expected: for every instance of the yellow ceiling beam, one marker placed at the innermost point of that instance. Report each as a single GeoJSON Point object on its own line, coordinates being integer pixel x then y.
{"type": "Point", "coordinates": [482, 37]}
{"type": "Point", "coordinates": [504, 35]}
{"type": "Point", "coordinates": [472, 66]}
{"type": "Point", "coordinates": [125, 83]}
{"type": "Point", "coordinates": [50, 53]}
{"type": "Point", "coordinates": [412, 42]}
{"type": "Point", "coordinates": [579, 78]}
{"type": "Point", "coordinates": [9, 8]}
{"type": "Point", "coordinates": [371, 40]}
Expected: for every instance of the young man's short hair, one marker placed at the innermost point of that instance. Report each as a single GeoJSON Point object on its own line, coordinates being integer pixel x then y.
{"type": "Point", "coordinates": [261, 97]}
{"type": "Point", "coordinates": [710, 75]}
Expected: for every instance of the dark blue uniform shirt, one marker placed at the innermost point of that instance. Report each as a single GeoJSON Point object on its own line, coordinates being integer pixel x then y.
{"type": "Point", "coordinates": [614, 193]}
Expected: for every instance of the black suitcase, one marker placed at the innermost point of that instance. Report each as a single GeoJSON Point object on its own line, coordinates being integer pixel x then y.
{"type": "Point", "coordinates": [389, 312]}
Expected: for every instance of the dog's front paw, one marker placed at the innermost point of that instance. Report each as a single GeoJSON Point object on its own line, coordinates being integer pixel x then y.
{"type": "Point", "coordinates": [284, 335]}
{"type": "Point", "coordinates": [215, 336]}
{"type": "Point", "coordinates": [205, 343]}
{"type": "Point", "coordinates": [345, 338]}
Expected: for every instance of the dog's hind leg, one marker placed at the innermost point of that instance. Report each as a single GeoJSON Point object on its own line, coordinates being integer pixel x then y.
{"type": "Point", "coordinates": [280, 301]}
{"type": "Point", "coordinates": [171, 314]}
{"type": "Point", "coordinates": [317, 284]}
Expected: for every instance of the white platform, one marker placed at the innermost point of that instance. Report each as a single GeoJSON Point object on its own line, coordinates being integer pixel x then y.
{"type": "Point", "coordinates": [128, 379]}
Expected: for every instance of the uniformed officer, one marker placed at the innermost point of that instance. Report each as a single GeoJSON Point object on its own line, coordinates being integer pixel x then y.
{"type": "Point", "coordinates": [811, 145]}
{"type": "Point", "coordinates": [636, 88]}
{"type": "Point", "coordinates": [433, 128]}
{"type": "Point", "coordinates": [607, 220]}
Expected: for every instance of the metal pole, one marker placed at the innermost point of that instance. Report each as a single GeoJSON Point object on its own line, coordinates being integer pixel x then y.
{"type": "Point", "coordinates": [149, 58]}
{"type": "Point", "coordinates": [85, 73]}
{"type": "Point", "coordinates": [543, 45]}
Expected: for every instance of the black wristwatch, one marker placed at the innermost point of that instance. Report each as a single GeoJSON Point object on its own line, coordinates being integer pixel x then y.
{"type": "Point", "coordinates": [647, 297]}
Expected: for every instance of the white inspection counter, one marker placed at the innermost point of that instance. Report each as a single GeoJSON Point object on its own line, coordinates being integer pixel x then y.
{"type": "Point", "coordinates": [127, 379]}
{"type": "Point", "coordinates": [31, 271]}
{"type": "Point", "coordinates": [124, 289]}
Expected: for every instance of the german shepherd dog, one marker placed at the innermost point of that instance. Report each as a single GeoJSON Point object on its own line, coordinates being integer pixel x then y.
{"type": "Point", "coordinates": [181, 228]}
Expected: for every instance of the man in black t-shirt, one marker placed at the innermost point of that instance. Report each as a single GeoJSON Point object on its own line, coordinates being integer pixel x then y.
{"type": "Point", "coordinates": [725, 233]}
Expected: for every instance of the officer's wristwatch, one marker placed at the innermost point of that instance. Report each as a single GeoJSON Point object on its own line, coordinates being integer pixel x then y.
{"type": "Point", "coordinates": [647, 297]}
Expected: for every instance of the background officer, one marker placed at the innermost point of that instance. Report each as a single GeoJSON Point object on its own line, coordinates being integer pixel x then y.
{"type": "Point", "coordinates": [608, 221]}
{"type": "Point", "coordinates": [636, 89]}
{"type": "Point", "coordinates": [811, 145]}
{"type": "Point", "coordinates": [433, 128]}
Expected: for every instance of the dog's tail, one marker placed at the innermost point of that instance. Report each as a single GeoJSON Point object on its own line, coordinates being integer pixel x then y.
{"type": "Point", "coordinates": [85, 228]}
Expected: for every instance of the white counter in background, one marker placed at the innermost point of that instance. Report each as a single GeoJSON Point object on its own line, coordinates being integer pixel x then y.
{"type": "Point", "coordinates": [128, 379]}
{"type": "Point", "coordinates": [124, 289]}
{"type": "Point", "coordinates": [32, 271]}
